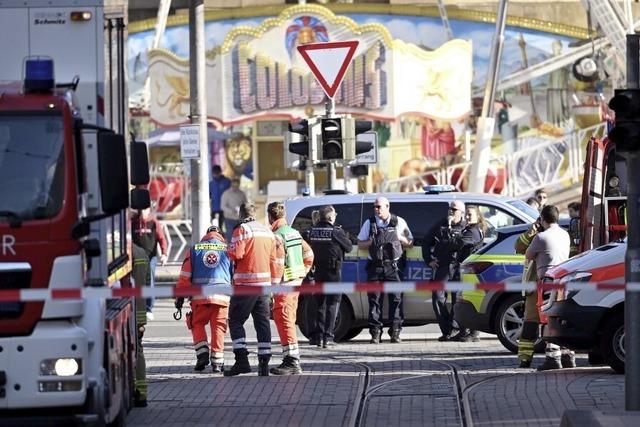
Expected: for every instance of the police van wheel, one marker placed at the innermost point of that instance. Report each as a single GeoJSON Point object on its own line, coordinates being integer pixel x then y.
{"type": "Point", "coordinates": [508, 324]}
{"type": "Point", "coordinates": [344, 322]}
{"type": "Point", "coordinates": [352, 333]}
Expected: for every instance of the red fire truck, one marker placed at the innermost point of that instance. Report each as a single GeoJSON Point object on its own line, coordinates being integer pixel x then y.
{"type": "Point", "coordinates": [64, 196]}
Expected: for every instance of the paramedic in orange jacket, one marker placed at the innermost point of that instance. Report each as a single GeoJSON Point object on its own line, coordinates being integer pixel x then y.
{"type": "Point", "coordinates": [254, 254]}
{"type": "Point", "coordinates": [208, 265]}
{"type": "Point", "coordinates": [297, 258]}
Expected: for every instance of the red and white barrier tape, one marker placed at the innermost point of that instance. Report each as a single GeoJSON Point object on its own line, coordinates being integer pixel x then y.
{"type": "Point", "coordinates": [22, 295]}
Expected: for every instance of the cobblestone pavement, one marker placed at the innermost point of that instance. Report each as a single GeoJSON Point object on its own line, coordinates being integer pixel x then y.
{"type": "Point", "coordinates": [420, 382]}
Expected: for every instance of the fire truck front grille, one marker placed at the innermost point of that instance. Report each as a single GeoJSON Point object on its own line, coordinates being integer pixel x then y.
{"type": "Point", "coordinates": [13, 276]}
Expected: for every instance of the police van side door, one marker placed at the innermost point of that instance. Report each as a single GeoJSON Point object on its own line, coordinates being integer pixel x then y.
{"type": "Point", "coordinates": [423, 218]}
{"type": "Point", "coordinates": [348, 217]}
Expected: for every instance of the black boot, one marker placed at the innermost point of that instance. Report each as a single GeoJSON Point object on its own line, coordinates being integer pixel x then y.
{"type": "Point", "coordinates": [203, 361]}
{"type": "Point", "coordinates": [242, 364]}
{"type": "Point", "coordinates": [568, 360]}
{"type": "Point", "coordinates": [139, 400]}
{"type": "Point", "coordinates": [395, 336]}
{"type": "Point", "coordinates": [289, 366]}
{"type": "Point", "coordinates": [263, 366]}
{"type": "Point", "coordinates": [376, 335]}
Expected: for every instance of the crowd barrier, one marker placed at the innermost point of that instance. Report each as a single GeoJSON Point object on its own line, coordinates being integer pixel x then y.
{"type": "Point", "coordinates": [59, 293]}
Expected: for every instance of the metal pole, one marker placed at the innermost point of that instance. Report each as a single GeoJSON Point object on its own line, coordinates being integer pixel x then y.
{"type": "Point", "coordinates": [486, 123]}
{"type": "Point", "coordinates": [331, 167]}
{"type": "Point", "coordinates": [632, 257]}
{"type": "Point", "coordinates": [200, 207]}
{"type": "Point", "coordinates": [310, 178]}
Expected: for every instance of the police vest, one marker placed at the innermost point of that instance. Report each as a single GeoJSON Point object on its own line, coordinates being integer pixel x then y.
{"type": "Point", "coordinates": [293, 257]}
{"type": "Point", "coordinates": [385, 245]}
{"type": "Point", "coordinates": [326, 252]}
{"type": "Point", "coordinates": [210, 264]}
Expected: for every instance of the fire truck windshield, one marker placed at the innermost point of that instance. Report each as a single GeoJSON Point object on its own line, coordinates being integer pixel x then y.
{"type": "Point", "coordinates": [31, 166]}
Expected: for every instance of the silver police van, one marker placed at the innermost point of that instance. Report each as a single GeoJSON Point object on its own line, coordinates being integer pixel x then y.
{"type": "Point", "coordinates": [424, 213]}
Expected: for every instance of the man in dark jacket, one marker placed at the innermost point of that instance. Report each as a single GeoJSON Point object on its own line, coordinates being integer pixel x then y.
{"type": "Point", "coordinates": [329, 244]}
{"type": "Point", "coordinates": [440, 254]}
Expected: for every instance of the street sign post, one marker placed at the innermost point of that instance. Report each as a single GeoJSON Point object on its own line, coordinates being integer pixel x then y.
{"type": "Point", "coordinates": [329, 62]}
{"type": "Point", "coordinates": [190, 141]}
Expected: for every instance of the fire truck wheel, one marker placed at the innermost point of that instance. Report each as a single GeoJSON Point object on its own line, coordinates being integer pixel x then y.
{"type": "Point", "coordinates": [612, 342]}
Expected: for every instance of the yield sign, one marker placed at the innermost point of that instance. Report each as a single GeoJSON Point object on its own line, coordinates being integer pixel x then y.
{"type": "Point", "coordinates": [329, 62]}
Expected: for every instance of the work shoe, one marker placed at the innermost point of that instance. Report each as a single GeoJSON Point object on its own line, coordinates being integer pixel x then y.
{"type": "Point", "coordinates": [289, 366]}
{"type": "Point", "coordinates": [395, 336]}
{"type": "Point", "coordinates": [315, 341]}
{"type": "Point", "coordinates": [376, 336]}
{"type": "Point", "coordinates": [471, 337]}
{"type": "Point", "coordinates": [218, 368]}
{"type": "Point", "coordinates": [203, 362]}
{"type": "Point", "coordinates": [241, 366]}
{"type": "Point", "coordinates": [525, 363]}
{"type": "Point", "coordinates": [462, 333]}
{"type": "Point", "coordinates": [329, 344]}
{"type": "Point", "coordinates": [263, 366]}
{"type": "Point", "coordinates": [568, 360]}
{"type": "Point", "coordinates": [139, 400]}
{"type": "Point", "coordinates": [444, 338]}
{"type": "Point", "coordinates": [550, 363]}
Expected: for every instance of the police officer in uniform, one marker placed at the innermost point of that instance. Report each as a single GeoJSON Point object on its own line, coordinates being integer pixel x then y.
{"type": "Point", "coordinates": [385, 236]}
{"type": "Point", "coordinates": [329, 244]}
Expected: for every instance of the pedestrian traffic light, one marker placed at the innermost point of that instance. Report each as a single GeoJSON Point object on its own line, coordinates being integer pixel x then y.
{"type": "Point", "coordinates": [626, 133]}
{"type": "Point", "coordinates": [299, 145]}
{"type": "Point", "coordinates": [331, 135]}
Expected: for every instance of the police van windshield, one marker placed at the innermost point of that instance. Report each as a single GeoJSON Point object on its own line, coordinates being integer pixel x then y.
{"type": "Point", "coordinates": [525, 208]}
{"type": "Point", "coordinates": [31, 166]}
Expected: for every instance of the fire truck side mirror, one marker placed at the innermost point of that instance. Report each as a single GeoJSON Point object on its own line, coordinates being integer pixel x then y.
{"type": "Point", "coordinates": [139, 163]}
{"type": "Point", "coordinates": [112, 171]}
{"type": "Point", "coordinates": [140, 198]}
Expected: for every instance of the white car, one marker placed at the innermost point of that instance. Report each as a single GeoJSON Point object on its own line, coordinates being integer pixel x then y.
{"type": "Point", "coordinates": [590, 319]}
{"type": "Point", "coordinates": [424, 213]}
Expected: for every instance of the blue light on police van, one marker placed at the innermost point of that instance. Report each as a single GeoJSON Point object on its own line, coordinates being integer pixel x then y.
{"type": "Point", "coordinates": [436, 189]}
{"type": "Point", "coordinates": [38, 74]}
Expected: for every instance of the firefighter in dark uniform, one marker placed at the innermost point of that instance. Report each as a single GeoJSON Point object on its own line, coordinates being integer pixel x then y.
{"type": "Point", "coordinates": [329, 244]}
{"type": "Point", "coordinates": [141, 273]}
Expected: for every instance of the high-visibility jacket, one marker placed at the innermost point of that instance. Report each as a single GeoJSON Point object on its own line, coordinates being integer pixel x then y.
{"type": "Point", "coordinates": [294, 253]}
{"type": "Point", "coordinates": [207, 264]}
{"type": "Point", "coordinates": [253, 250]}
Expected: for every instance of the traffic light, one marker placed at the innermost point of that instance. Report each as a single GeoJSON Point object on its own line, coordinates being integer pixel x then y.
{"type": "Point", "coordinates": [363, 126]}
{"type": "Point", "coordinates": [331, 135]}
{"type": "Point", "coordinates": [300, 145]}
{"type": "Point", "coordinates": [626, 133]}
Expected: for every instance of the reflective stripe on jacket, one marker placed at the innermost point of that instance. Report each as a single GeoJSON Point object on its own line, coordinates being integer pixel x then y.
{"type": "Point", "coordinates": [253, 250]}
{"type": "Point", "coordinates": [294, 254]}
{"type": "Point", "coordinates": [207, 264]}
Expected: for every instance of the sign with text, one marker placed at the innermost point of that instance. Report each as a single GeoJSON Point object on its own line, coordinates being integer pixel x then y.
{"type": "Point", "coordinates": [190, 141]}
{"type": "Point", "coordinates": [371, 156]}
{"type": "Point", "coordinates": [258, 73]}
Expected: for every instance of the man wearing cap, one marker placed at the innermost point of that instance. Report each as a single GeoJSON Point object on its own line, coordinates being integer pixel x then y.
{"type": "Point", "coordinates": [439, 253]}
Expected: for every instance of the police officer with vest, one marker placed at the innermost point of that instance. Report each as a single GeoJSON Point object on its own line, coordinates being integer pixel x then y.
{"type": "Point", "coordinates": [385, 236]}
{"type": "Point", "coordinates": [329, 244]}
{"type": "Point", "coordinates": [440, 253]}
